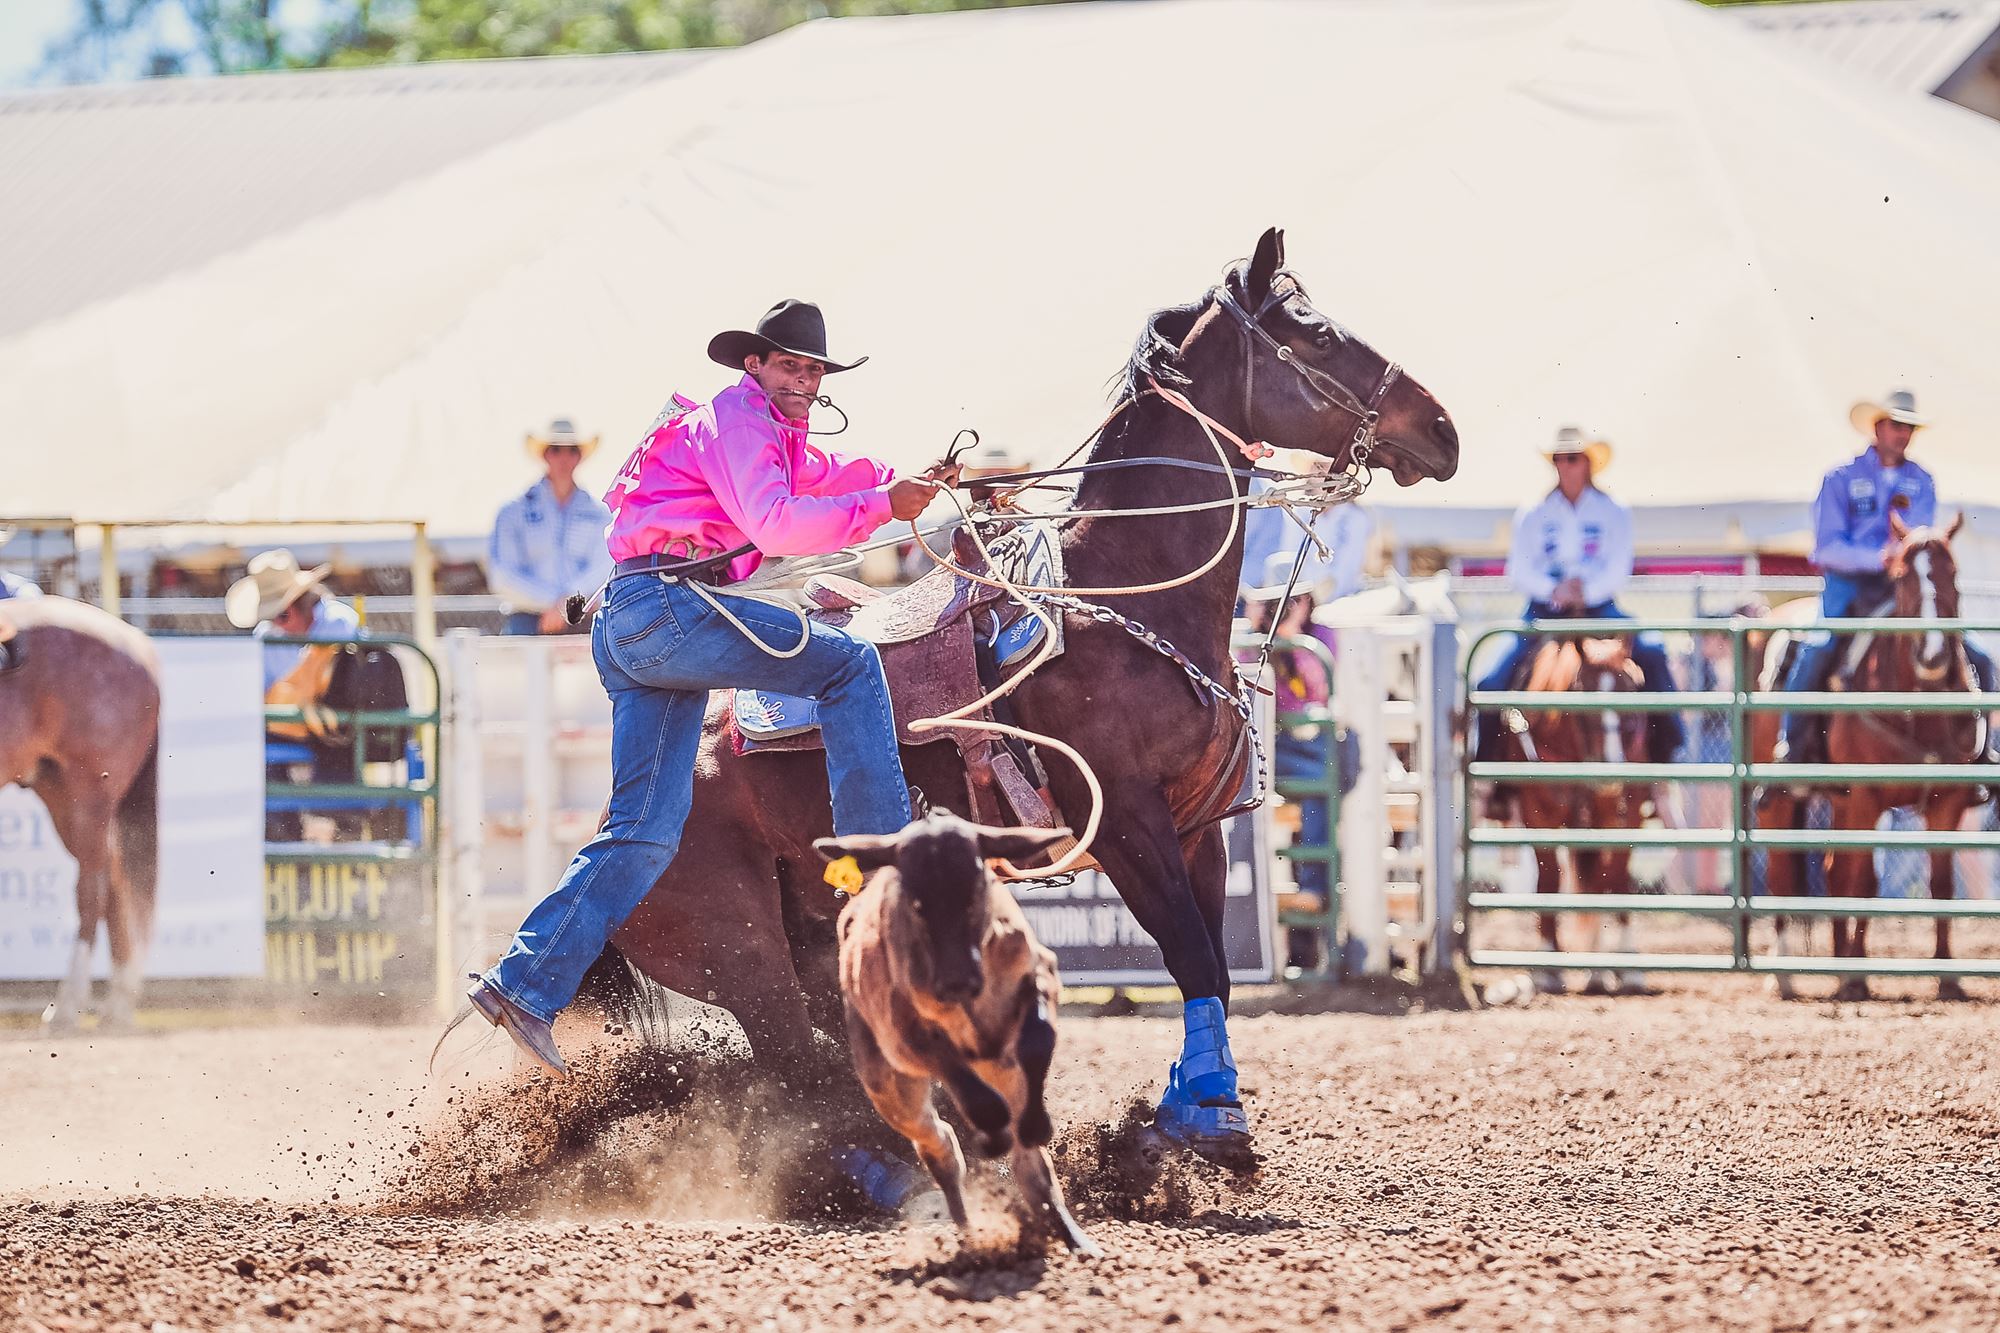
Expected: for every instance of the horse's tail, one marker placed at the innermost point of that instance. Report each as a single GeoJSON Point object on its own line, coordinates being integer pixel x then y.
{"type": "Point", "coordinates": [625, 995]}
{"type": "Point", "coordinates": [139, 841]}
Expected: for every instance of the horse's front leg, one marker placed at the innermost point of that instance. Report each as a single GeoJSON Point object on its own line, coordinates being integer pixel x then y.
{"type": "Point", "coordinates": [1589, 863]}
{"type": "Point", "coordinates": [1179, 903]}
{"type": "Point", "coordinates": [1944, 815]}
{"type": "Point", "coordinates": [1851, 874]}
{"type": "Point", "coordinates": [1784, 877]}
{"type": "Point", "coordinates": [1548, 879]}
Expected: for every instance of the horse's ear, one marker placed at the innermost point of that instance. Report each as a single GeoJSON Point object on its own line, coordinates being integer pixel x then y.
{"type": "Point", "coordinates": [1957, 522]}
{"type": "Point", "coordinates": [1264, 264]}
{"type": "Point", "coordinates": [1897, 527]}
{"type": "Point", "coordinates": [871, 851]}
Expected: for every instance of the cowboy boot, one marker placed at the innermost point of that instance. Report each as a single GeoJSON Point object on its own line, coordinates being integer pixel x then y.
{"type": "Point", "coordinates": [530, 1033]}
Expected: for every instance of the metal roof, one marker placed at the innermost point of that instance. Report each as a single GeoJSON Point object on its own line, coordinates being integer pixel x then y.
{"type": "Point", "coordinates": [1912, 44]}
{"type": "Point", "coordinates": [110, 187]}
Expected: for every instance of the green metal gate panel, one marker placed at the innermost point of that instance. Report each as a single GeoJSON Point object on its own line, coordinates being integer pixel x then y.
{"type": "Point", "coordinates": [1740, 908]}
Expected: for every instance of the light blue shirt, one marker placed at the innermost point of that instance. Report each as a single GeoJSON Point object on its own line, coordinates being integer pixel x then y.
{"type": "Point", "coordinates": [334, 621]}
{"type": "Point", "coordinates": [1271, 543]}
{"type": "Point", "coordinates": [1554, 540]}
{"type": "Point", "coordinates": [541, 551]}
{"type": "Point", "coordinates": [13, 585]}
{"type": "Point", "coordinates": [1851, 516]}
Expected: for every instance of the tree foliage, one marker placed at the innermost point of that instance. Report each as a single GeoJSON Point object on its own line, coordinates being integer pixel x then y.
{"type": "Point", "coordinates": [121, 38]}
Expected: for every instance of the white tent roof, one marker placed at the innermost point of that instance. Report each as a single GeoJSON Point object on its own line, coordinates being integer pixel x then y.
{"type": "Point", "coordinates": [111, 186]}
{"type": "Point", "coordinates": [1626, 212]}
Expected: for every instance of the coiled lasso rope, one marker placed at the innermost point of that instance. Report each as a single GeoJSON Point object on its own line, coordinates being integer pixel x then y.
{"type": "Point", "coordinates": [1024, 595]}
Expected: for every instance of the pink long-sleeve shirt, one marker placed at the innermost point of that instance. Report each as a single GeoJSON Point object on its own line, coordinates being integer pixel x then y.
{"type": "Point", "coordinates": [709, 477]}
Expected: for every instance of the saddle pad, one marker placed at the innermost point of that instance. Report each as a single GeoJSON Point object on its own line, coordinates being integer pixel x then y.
{"type": "Point", "coordinates": [927, 676]}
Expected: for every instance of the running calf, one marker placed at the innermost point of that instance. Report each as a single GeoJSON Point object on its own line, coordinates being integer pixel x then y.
{"type": "Point", "coordinates": [943, 981]}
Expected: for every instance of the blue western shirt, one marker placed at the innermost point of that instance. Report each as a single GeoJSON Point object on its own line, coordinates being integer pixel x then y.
{"type": "Point", "coordinates": [541, 551]}
{"type": "Point", "coordinates": [1851, 516]}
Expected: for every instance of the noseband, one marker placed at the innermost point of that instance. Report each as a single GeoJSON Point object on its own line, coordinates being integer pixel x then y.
{"type": "Point", "coordinates": [1366, 413]}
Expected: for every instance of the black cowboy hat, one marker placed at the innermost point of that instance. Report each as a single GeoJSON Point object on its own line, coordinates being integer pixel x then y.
{"type": "Point", "coordinates": [789, 326]}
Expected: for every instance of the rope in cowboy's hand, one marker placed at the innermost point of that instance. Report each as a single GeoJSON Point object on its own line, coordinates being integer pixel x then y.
{"type": "Point", "coordinates": [960, 717]}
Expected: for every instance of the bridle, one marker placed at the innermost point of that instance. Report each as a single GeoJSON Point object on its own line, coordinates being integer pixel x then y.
{"type": "Point", "coordinates": [1367, 413]}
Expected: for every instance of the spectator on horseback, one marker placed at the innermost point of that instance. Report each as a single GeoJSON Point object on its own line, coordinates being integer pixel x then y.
{"type": "Point", "coordinates": [713, 489]}
{"type": "Point", "coordinates": [548, 542]}
{"type": "Point", "coordinates": [277, 597]}
{"type": "Point", "coordinates": [1571, 554]}
{"type": "Point", "coordinates": [1852, 543]}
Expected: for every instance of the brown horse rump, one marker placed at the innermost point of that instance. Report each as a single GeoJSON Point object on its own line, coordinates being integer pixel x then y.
{"type": "Point", "coordinates": [940, 642]}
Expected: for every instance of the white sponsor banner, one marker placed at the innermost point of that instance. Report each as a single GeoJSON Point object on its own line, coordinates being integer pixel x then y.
{"type": "Point", "coordinates": [210, 916]}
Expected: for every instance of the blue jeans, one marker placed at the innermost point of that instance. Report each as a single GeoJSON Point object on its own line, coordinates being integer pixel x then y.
{"type": "Point", "coordinates": [1649, 653]}
{"type": "Point", "coordinates": [659, 650]}
{"type": "Point", "coordinates": [1844, 595]}
{"type": "Point", "coordinates": [522, 622]}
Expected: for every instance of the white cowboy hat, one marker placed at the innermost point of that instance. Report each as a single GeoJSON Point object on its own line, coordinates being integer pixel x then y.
{"type": "Point", "coordinates": [561, 431]}
{"type": "Point", "coordinates": [1277, 575]}
{"type": "Point", "coordinates": [274, 582]}
{"type": "Point", "coordinates": [1575, 440]}
{"type": "Point", "coordinates": [1897, 405]}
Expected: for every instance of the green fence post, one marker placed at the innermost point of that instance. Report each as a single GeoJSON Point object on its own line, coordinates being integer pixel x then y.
{"type": "Point", "coordinates": [1740, 791]}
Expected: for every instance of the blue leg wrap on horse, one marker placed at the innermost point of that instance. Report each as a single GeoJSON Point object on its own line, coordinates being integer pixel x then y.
{"type": "Point", "coordinates": [884, 1180]}
{"type": "Point", "coordinates": [1201, 1095]}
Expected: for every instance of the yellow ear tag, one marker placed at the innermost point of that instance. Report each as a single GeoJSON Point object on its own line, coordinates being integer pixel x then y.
{"type": "Point", "coordinates": [844, 874]}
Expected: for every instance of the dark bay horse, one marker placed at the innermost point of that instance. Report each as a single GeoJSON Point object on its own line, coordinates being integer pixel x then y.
{"type": "Point", "coordinates": [79, 724]}
{"type": "Point", "coordinates": [1924, 576]}
{"type": "Point", "coordinates": [742, 918]}
{"type": "Point", "coordinates": [1596, 665]}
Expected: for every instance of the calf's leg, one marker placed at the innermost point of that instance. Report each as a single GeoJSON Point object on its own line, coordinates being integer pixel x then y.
{"type": "Point", "coordinates": [904, 1103]}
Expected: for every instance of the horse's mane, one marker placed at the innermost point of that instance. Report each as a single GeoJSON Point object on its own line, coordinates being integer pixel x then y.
{"type": "Point", "coordinates": [1156, 354]}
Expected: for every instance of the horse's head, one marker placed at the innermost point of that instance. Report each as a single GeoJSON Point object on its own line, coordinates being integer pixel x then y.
{"type": "Point", "coordinates": [1605, 666]}
{"type": "Point", "coordinates": [1309, 383]}
{"type": "Point", "coordinates": [1925, 575]}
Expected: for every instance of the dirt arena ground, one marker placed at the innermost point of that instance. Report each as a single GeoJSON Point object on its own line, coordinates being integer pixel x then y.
{"type": "Point", "coordinates": [1703, 1157]}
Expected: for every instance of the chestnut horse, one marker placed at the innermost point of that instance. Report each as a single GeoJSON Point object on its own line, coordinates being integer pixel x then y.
{"type": "Point", "coordinates": [79, 725]}
{"type": "Point", "coordinates": [1924, 577]}
{"type": "Point", "coordinates": [742, 918]}
{"type": "Point", "coordinates": [1597, 665]}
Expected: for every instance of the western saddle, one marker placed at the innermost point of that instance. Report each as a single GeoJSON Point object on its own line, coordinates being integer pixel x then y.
{"type": "Point", "coordinates": [945, 640]}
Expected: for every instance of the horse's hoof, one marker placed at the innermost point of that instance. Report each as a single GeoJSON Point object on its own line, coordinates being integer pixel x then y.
{"type": "Point", "coordinates": [1635, 983]}
{"type": "Point", "coordinates": [1851, 989]}
{"type": "Point", "coordinates": [1216, 1130]}
{"type": "Point", "coordinates": [1549, 982]}
{"type": "Point", "coordinates": [1782, 988]}
{"type": "Point", "coordinates": [58, 1023]}
{"type": "Point", "coordinates": [1597, 985]}
{"type": "Point", "coordinates": [1950, 990]}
